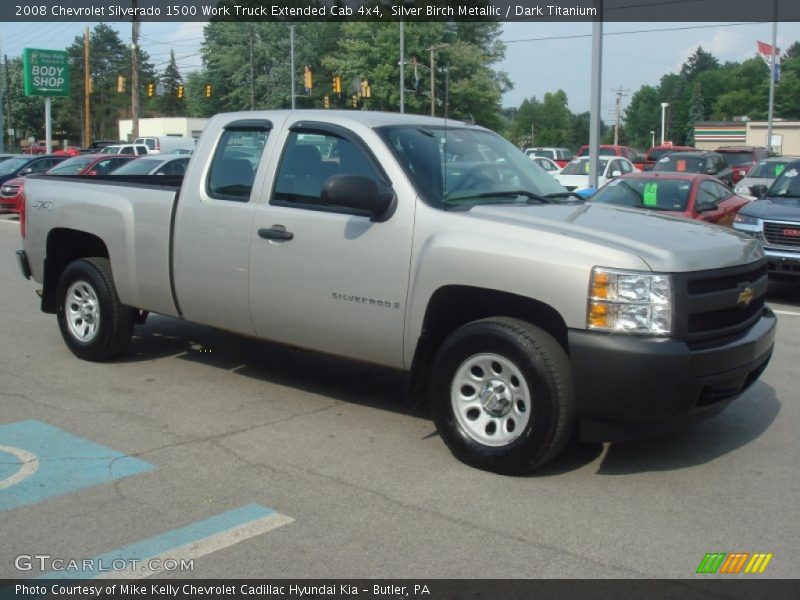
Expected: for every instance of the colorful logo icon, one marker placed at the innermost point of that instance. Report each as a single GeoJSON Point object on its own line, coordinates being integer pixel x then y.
{"type": "Point", "coordinates": [734, 562]}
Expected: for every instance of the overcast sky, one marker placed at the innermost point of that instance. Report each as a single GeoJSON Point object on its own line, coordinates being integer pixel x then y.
{"type": "Point", "coordinates": [536, 65]}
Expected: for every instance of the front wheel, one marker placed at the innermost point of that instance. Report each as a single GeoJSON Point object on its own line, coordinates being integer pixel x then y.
{"type": "Point", "coordinates": [94, 323]}
{"type": "Point", "coordinates": [502, 395]}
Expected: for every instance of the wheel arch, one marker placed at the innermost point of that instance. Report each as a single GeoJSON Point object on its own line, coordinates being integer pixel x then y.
{"type": "Point", "coordinates": [63, 246]}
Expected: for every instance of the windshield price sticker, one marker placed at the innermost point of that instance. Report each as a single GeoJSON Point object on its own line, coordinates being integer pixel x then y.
{"type": "Point", "coordinates": [792, 173]}
{"type": "Point", "coordinates": [779, 167]}
{"type": "Point", "coordinates": [650, 196]}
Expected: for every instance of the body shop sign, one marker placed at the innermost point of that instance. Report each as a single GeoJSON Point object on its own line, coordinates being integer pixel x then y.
{"type": "Point", "coordinates": [46, 72]}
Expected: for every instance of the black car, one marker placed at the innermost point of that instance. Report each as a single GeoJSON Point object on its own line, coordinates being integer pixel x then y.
{"type": "Point", "coordinates": [22, 165]}
{"type": "Point", "coordinates": [774, 219]}
{"type": "Point", "coordinates": [709, 163]}
{"type": "Point", "coordinates": [98, 145]}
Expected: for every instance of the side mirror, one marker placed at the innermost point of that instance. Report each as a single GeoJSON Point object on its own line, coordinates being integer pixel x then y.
{"type": "Point", "coordinates": [26, 171]}
{"type": "Point", "coordinates": [710, 171]}
{"type": "Point", "coordinates": [616, 173]}
{"type": "Point", "coordinates": [360, 193]}
{"type": "Point", "coordinates": [759, 191]}
{"type": "Point", "coordinates": [707, 207]}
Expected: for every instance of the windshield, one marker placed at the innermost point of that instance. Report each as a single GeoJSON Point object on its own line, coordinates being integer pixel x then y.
{"type": "Point", "coordinates": [736, 159]}
{"type": "Point", "coordinates": [149, 142]}
{"type": "Point", "coordinates": [768, 169]}
{"type": "Point", "coordinates": [11, 165]}
{"type": "Point", "coordinates": [787, 185]}
{"type": "Point", "coordinates": [458, 165]}
{"type": "Point", "coordinates": [140, 166]}
{"type": "Point", "coordinates": [71, 166]}
{"type": "Point", "coordinates": [681, 163]}
{"type": "Point", "coordinates": [110, 150]}
{"type": "Point", "coordinates": [542, 152]}
{"type": "Point", "coordinates": [603, 152]}
{"type": "Point", "coordinates": [655, 194]}
{"type": "Point", "coordinates": [581, 167]}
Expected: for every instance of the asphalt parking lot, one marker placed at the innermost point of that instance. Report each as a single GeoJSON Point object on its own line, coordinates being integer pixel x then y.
{"type": "Point", "coordinates": [321, 469]}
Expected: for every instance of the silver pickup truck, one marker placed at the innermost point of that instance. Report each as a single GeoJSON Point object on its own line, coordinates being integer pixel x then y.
{"type": "Point", "coordinates": [426, 245]}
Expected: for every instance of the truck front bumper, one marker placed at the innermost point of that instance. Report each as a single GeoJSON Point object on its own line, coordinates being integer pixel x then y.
{"type": "Point", "coordinates": [782, 262]}
{"type": "Point", "coordinates": [629, 386]}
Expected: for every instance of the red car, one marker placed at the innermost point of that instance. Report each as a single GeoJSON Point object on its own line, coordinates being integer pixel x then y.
{"type": "Point", "coordinates": [35, 149]}
{"type": "Point", "coordinates": [693, 195]}
{"type": "Point", "coordinates": [742, 159]}
{"type": "Point", "coordinates": [91, 164]}
{"type": "Point", "coordinates": [68, 151]}
{"type": "Point", "coordinates": [609, 150]}
{"type": "Point", "coordinates": [11, 191]}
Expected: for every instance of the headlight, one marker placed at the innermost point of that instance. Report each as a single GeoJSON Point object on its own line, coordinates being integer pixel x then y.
{"type": "Point", "coordinates": [630, 301]}
{"type": "Point", "coordinates": [745, 220]}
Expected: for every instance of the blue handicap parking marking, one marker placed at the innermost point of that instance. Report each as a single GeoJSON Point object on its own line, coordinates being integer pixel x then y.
{"type": "Point", "coordinates": [39, 461]}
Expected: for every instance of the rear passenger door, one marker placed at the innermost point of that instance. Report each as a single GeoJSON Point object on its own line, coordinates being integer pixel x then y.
{"type": "Point", "coordinates": [337, 281]}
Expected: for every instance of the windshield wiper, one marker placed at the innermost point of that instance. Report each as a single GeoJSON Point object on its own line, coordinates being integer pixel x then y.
{"type": "Point", "coordinates": [566, 195]}
{"type": "Point", "coordinates": [502, 194]}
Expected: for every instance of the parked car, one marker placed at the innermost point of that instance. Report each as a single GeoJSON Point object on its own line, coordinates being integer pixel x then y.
{"type": "Point", "coordinates": [91, 164]}
{"type": "Point", "coordinates": [774, 219]}
{"type": "Point", "coordinates": [525, 316]}
{"type": "Point", "coordinates": [68, 151]}
{"type": "Point", "coordinates": [547, 164]}
{"type": "Point", "coordinates": [561, 156]}
{"type": "Point", "coordinates": [656, 152]}
{"type": "Point", "coordinates": [575, 176]}
{"type": "Point", "coordinates": [25, 165]}
{"type": "Point", "coordinates": [134, 149]}
{"type": "Point", "coordinates": [98, 145]}
{"type": "Point", "coordinates": [764, 172]}
{"type": "Point", "coordinates": [154, 165]}
{"type": "Point", "coordinates": [635, 156]}
{"type": "Point", "coordinates": [691, 195]}
{"type": "Point", "coordinates": [742, 158]}
{"type": "Point", "coordinates": [183, 151]}
{"type": "Point", "coordinates": [4, 157]}
{"type": "Point", "coordinates": [11, 194]}
{"type": "Point", "coordinates": [165, 143]}
{"type": "Point", "coordinates": [708, 163]}
{"type": "Point", "coordinates": [35, 148]}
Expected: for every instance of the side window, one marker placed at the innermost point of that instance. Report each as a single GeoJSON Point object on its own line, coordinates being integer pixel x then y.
{"type": "Point", "coordinates": [106, 166]}
{"type": "Point", "coordinates": [626, 166]}
{"type": "Point", "coordinates": [722, 192]}
{"type": "Point", "coordinates": [706, 194]}
{"type": "Point", "coordinates": [235, 161]}
{"type": "Point", "coordinates": [309, 159]}
{"type": "Point", "coordinates": [126, 150]}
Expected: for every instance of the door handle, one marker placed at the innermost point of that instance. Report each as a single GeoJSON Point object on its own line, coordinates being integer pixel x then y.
{"type": "Point", "coordinates": [276, 232]}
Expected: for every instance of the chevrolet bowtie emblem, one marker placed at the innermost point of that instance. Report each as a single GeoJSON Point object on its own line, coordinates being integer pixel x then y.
{"type": "Point", "coordinates": [746, 297]}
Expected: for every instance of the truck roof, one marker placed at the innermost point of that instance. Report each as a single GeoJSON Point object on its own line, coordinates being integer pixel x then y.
{"type": "Point", "coordinates": [367, 117]}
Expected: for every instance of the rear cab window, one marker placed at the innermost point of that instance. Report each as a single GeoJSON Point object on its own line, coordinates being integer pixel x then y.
{"type": "Point", "coordinates": [236, 159]}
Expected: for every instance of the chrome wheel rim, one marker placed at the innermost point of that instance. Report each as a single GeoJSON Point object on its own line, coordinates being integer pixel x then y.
{"type": "Point", "coordinates": [491, 400]}
{"type": "Point", "coordinates": [82, 310]}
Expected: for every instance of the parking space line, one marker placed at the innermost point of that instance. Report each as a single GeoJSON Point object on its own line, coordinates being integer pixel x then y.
{"type": "Point", "coordinates": [146, 557]}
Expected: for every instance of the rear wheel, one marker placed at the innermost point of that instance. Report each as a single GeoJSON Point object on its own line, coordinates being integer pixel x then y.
{"type": "Point", "coordinates": [502, 395]}
{"type": "Point", "coordinates": [94, 323]}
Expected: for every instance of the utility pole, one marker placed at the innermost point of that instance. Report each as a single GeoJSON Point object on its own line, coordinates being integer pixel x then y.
{"type": "Point", "coordinates": [595, 93]}
{"type": "Point", "coordinates": [87, 102]}
{"type": "Point", "coordinates": [252, 75]}
{"type": "Point", "coordinates": [618, 110]}
{"type": "Point", "coordinates": [433, 49]}
{"type": "Point", "coordinates": [135, 104]}
{"type": "Point", "coordinates": [772, 75]}
{"type": "Point", "coordinates": [402, 67]}
{"type": "Point", "coordinates": [12, 138]}
{"type": "Point", "coordinates": [3, 95]}
{"type": "Point", "coordinates": [291, 42]}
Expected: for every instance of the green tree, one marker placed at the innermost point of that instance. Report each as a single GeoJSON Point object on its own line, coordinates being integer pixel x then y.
{"type": "Point", "coordinates": [643, 115]}
{"type": "Point", "coordinates": [696, 114]}
{"type": "Point", "coordinates": [171, 104]}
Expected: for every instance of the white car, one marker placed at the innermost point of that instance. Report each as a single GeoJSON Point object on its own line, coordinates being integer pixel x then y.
{"type": "Point", "coordinates": [548, 164]}
{"type": "Point", "coordinates": [575, 176]}
{"type": "Point", "coordinates": [135, 149]}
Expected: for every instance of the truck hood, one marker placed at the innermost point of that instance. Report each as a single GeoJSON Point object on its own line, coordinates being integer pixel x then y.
{"type": "Point", "coordinates": [779, 209]}
{"type": "Point", "coordinates": [667, 243]}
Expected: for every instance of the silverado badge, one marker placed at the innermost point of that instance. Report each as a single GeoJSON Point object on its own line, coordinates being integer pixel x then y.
{"type": "Point", "coordinates": [746, 296]}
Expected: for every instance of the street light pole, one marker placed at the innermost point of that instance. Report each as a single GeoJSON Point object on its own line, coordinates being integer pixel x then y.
{"type": "Point", "coordinates": [652, 138]}
{"type": "Point", "coordinates": [664, 106]}
{"type": "Point", "coordinates": [291, 42]}
{"type": "Point", "coordinates": [595, 93]}
{"type": "Point", "coordinates": [772, 76]}
{"type": "Point", "coordinates": [135, 102]}
{"type": "Point", "coordinates": [402, 67]}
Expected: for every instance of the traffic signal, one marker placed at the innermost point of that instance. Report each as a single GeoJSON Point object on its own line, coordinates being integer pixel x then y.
{"type": "Point", "coordinates": [337, 84]}
{"type": "Point", "coordinates": [308, 79]}
{"type": "Point", "coordinates": [120, 84]}
{"type": "Point", "coordinates": [326, 102]}
{"type": "Point", "coordinates": [180, 92]}
{"type": "Point", "coordinates": [365, 89]}
{"type": "Point", "coordinates": [151, 90]}
{"type": "Point", "coordinates": [208, 90]}
{"type": "Point", "coordinates": [354, 101]}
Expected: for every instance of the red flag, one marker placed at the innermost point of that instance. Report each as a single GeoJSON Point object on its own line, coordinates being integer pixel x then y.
{"type": "Point", "coordinates": [765, 50]}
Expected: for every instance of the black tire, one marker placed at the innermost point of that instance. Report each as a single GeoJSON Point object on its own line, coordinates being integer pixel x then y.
{"type": "Point", "coordinates": [115, 324]}
{"type": "Point", "coordinates": [546, 370]}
